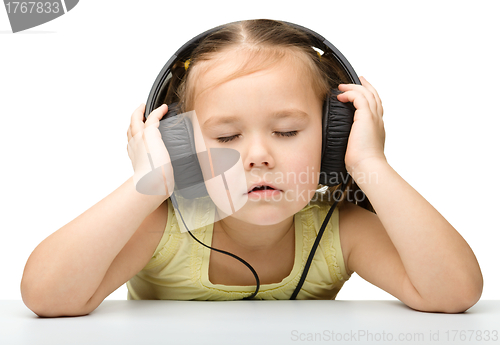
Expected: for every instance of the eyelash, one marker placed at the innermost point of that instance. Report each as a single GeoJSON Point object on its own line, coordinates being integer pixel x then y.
{"type": "Point", "coordinates": [281, 134]}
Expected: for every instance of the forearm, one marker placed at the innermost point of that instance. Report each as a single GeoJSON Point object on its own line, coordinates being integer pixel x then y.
{"type": "Point", "coordinates": [438, 261]}
{"type": "Point", "coordinates": [68, 266]}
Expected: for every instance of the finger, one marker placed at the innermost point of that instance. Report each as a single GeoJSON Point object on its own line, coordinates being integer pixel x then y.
{"type": "Point", "coordinates": [357, 99]}
{"type": "Point", "coordinates": [156, 115]}
{"type": "Point", "coordinates": [369, 86]}
{"type": "Point", "coordinates": [138, 114]}
{"type": "Point", "coordinates": [137, 120]}
{"type": "Point", "coordinates": [368, 95]}
{"type": "Point", "coordinates": [375, 93]}
{"type": "Point", "coordinates": [155, 146]}
{"type": "Point", "coordinates": [354, 94]}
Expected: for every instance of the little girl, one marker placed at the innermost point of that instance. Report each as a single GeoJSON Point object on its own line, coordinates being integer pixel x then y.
{"type": "Point", "coordinates": [260, 91]}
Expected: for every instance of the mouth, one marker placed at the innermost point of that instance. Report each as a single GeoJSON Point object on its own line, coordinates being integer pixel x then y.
{"type": "Point", "coordinates": [261, 187]}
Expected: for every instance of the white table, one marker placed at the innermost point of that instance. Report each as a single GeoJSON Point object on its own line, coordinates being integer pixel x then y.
{"type": "Point", "coordinates": [252, 322]}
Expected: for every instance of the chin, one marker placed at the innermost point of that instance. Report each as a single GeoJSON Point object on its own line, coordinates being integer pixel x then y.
{"type": "Point", "coordinates": [262, 213]}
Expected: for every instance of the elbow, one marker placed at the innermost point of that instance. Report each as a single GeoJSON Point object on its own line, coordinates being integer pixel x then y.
{"type": "Point", "coordinates": [461, 303]}
{"type": "Point", "coordinates": [469, 296]}
{"type": "Point", "coordinates": [456, 307]}
{"type": "Point", "coordinates": [47, 313]}
{"type": "Point", "coordinates": [38, 303]}
{"type": "Point", "coordinates": [467, 300]}
{"type": "Point", "coordinates": [459, 307]}
{"type": "Point", "coordinates": [47, 310]}
{"type": "Point", "coordinates": [452, 302]}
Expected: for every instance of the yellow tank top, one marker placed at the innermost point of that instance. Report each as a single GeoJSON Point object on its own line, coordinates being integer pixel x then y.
{"type": "Point", "coordinates": [178, 269]}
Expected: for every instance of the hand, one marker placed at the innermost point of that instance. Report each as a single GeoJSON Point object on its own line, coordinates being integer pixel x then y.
{"type": "Point", "coordinates": [367, 137]}
{"type": "Point", "coordinates": [153, 173]}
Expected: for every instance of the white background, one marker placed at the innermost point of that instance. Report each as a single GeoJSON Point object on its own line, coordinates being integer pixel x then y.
{"type": "Point", "coordinates": [68, 88]}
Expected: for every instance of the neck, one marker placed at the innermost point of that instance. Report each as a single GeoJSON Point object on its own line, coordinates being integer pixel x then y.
{"type": "Point", "coordinates": [254, 238]}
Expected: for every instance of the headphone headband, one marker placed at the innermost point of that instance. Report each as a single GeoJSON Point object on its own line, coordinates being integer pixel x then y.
{"type": "Point", "coordinates": [185, 51]}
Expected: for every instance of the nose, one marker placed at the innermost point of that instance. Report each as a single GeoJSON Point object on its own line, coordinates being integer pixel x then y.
{"type": "Point", "coordinates": [259, 155]}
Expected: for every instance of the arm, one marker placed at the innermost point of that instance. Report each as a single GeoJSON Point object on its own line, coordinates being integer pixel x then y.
{"type": "Point", "coordinates": [437, 261]}
{"type": "Point", "coordinates": [66, 269]}
{"type": "Point", "coordinates": [432, 265]}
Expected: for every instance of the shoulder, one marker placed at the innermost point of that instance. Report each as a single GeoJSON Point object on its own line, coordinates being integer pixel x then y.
{"type": "Point", "coordinates": [354, 222]}
{"type": "Point", "coordinates": [153, 226]}
{"type": "Point", "coordinates": [158, 217]}
{"type": "Point", "coordinates": [160, 222]}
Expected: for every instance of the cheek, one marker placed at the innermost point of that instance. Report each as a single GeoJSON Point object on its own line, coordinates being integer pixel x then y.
{"type": "Point", "coordinates": [303, 161]}
{"type": "Point", "coordinates": [303, 169]}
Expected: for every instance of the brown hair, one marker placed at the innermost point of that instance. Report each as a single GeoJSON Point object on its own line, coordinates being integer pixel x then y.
{"type": "Point", "coordinates": [264, 43]}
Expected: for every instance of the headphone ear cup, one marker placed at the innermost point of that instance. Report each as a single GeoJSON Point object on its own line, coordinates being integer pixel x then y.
{"type": "Point", "coordinates": [337, 122]}
{"type": "Point", "coordinates": [177, 135]}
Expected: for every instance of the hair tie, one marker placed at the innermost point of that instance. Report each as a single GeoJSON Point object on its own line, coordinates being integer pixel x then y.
{"type": "Point", "coordinates": [186, 64]}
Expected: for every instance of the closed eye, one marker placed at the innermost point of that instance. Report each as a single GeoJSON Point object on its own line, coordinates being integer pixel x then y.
{"type": "Point", "coordinates": [232, 137]}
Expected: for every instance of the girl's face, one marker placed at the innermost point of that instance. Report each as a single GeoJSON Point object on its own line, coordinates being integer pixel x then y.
{"type": "Point", "coordinates": [276, 126]}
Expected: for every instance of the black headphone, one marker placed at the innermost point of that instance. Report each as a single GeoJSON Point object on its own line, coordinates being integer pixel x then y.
{"type": "Point", "coordinates": [179, 139]}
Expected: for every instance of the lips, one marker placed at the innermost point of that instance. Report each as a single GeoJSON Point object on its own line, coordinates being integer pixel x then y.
{"type": "Point", "coordinates": [262, 186]}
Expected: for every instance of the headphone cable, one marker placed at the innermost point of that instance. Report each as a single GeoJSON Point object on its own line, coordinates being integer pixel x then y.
{"type": "Point", "coordinates": [309, 259]}
{"type": "Point", "coordinates": [316, 243]}
{"type": "Point", "coordinates": [174, 202]}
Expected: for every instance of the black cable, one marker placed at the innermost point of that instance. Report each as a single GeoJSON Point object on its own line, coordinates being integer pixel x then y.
{"type": "Point", "coordinates": [316, 243]}
{"type": "Point", "coordinates": [309, 259]}
{"type": "Point", "coordinates": [174, 202]}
